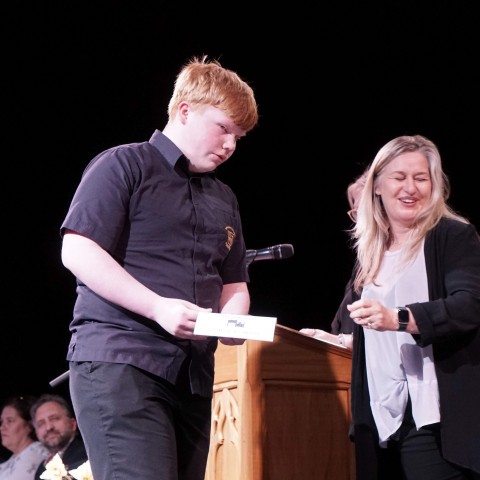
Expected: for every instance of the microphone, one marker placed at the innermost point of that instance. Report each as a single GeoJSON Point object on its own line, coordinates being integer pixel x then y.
{"type": "Point", "coordinates": [61, 378]}
{"type": "Point", "coordinates": [277, 252]}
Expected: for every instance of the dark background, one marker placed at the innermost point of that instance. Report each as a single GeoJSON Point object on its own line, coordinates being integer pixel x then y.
{"type": "Point", "coordinates": [333, 84]}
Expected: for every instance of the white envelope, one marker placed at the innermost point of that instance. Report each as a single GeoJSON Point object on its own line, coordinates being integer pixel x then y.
{"type": "Point", "coordinates": [235, 326]}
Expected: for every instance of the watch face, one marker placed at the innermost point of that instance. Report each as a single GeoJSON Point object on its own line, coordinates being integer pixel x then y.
{"type": "Point", "coordinates": [403, 315]}
{"type": "Point", "coordinates": [403, 318]}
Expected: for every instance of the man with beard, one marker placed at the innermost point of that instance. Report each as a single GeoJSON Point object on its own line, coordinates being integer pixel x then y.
{"type": "Point", "coordinates": [56, 428]}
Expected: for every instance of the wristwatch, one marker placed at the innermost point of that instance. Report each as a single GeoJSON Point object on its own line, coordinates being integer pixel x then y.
{"type": "Point", "coordinates": [403, 318]}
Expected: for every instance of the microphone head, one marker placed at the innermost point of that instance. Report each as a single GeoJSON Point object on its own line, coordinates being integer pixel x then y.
{"type": "Point", "coordinates": [277, 252]}
{"type": "Point", "coordinates": [283, 251]}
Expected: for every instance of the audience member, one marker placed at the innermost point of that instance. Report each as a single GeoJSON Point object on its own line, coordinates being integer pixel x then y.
{"type": "Point", "coordinates": [56, 428]}
{"type": "Point", "coordinates": [153, 238]}
{"type": "Point", "coordinates": [416, 338]}
{"type": "Point", "coordinates": [18, 436]}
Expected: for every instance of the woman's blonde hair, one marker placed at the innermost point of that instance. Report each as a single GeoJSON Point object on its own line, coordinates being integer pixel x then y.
{"type": "Point", "coordinates": [371, 234]}
{"type": "Point", "coordinates": [206, 82]}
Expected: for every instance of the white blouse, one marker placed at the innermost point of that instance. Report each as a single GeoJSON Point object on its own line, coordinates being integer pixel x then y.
{"type": "Point", "coordinates": [23, 465]}
{"type": "Point", "coordinates": [396, 366]}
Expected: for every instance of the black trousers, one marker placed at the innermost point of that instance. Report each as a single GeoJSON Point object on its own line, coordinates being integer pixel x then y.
{"type": "Point", "coordinates": [417, 454]}
{"type": "Point", "coordinates": [137, 425]}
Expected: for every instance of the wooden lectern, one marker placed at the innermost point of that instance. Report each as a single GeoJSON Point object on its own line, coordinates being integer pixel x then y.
{"type": "Point", "coordinates": [281, 410]}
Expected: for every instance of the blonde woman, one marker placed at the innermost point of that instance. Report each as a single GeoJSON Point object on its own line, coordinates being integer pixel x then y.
{"type": "Point", "coordinates": [416, 338]}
